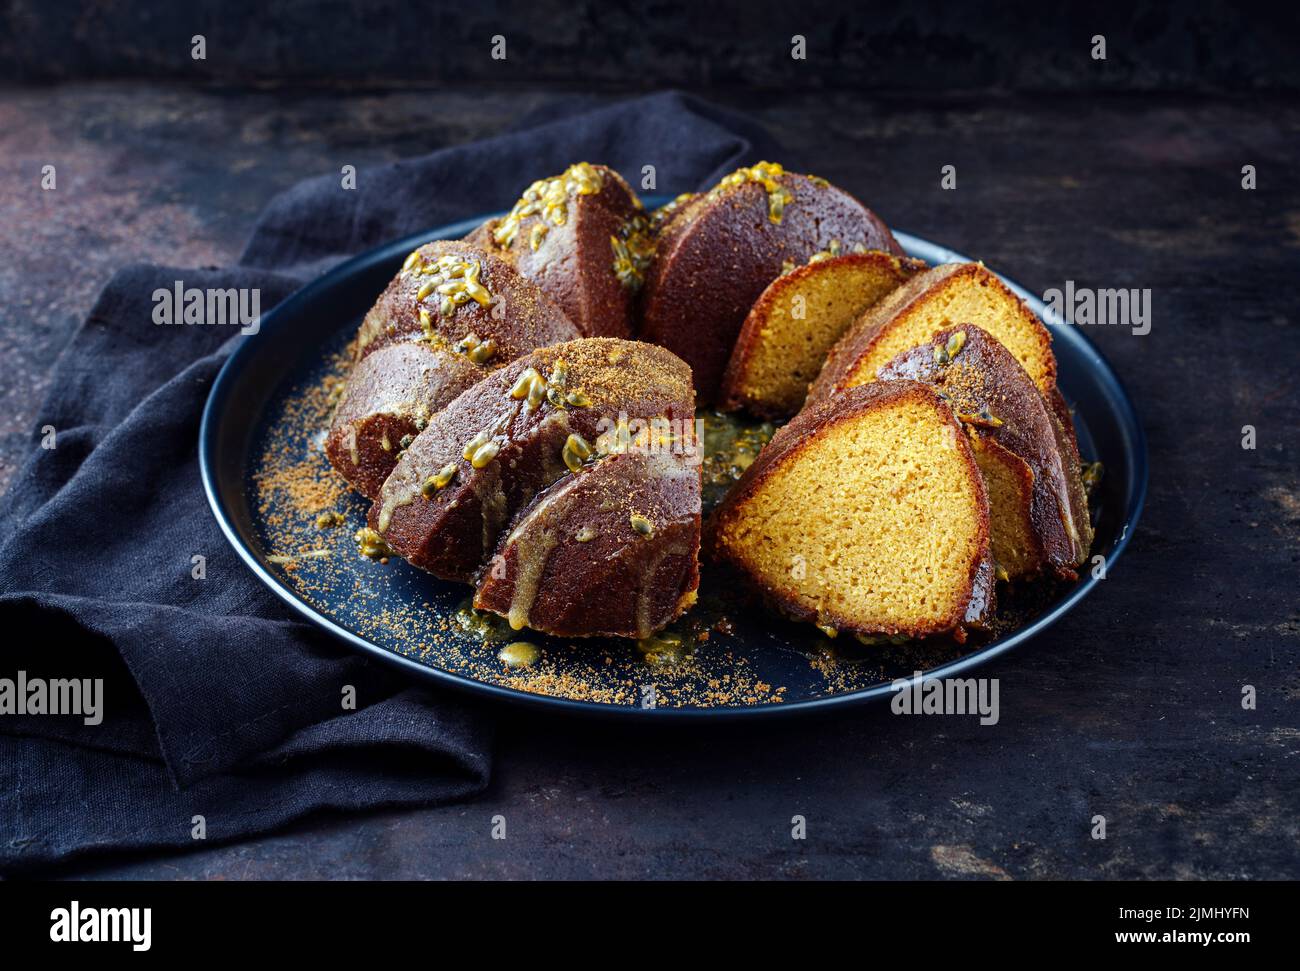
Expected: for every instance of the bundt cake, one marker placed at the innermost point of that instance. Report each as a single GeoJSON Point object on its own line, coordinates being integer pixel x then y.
{"type": "Point", "coordinates": [955, 293]}
{"type": "Point", "coordinates": [866, 514]}
{"type": "Point", "coordinates": [451, 316]}
{"type": "Point", "coordinates": [611, 549]}
{"type": "Point", "coordinates": [1033, 513]}
{"type": "Point", "coordinates": [583, 237]}
{"type": "Point", "coordinates": [485, 456]}
{"type": "Point", "coordinates": [799, 317]}
{"type": "Point", "coordinates": [717, 253]}
{"type": "Point", "coordinates": [513, 437]}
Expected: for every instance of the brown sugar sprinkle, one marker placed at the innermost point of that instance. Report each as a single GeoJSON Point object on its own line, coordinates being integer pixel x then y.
{"type": "Point", "coordinates": [293, 486]}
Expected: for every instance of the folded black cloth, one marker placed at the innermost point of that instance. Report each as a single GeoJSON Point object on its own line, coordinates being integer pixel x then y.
{"type": "Point", "coordinates": [217, 701]}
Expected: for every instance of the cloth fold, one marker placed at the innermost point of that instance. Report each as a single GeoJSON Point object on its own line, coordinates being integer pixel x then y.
{"type": "Point", "coordinates": [217, 701]}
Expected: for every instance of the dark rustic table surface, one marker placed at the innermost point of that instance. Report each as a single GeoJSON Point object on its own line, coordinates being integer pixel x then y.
{"type": "Point", "coordinates": [1131, 708]}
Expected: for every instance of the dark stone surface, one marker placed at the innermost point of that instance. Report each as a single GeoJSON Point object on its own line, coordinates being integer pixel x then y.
{"type": "Point", "coordinates": [1019, 45]}
{"type": "Point", "coordinates": [1129, 708]}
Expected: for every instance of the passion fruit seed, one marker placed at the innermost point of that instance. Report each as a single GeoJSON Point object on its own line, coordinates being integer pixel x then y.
{"type": "Point", "coordinates": [578, 399]}
{"type": "Point", "coordinates": [371, 544]}
{"type": "Point", "coordinates": [483, 352]}
{"type": "Point", "coordinates": [585, 535]}
{"type": "Point", "coordinates": [536, 392]}
{"type": "Point", "coordinates": [439, 481]}
{"type": "Point", "coordinates": [983, 418]}
{"type": "Point", "coordinates": [485, 454]}
{"type": "Point", "coordinates": [523, 384]}
{"type": "Point", "coordinates": [474, 444]}
{"type": "Point", "coordinates": [575, 452]}
{"type": "Point", "coordinates": [642, 525]}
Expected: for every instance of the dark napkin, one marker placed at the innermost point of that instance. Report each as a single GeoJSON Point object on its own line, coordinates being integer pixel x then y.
{"type": "Point", "coordinates": [218, 702]}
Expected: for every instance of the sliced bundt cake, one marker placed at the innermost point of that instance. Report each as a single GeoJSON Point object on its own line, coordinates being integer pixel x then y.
{"type": "Point", "coordinates": [583, 237]}
{"type": "Point", "coordinates": [1036, 520]}
{"type": "Point", "coordinates": [451, 316]}
{"type": "Point", "coordinates": [799, 317]}
{"type": "Point", "coordinates": [955, 293]}
{"type": "Point", "coordinates": [867, 514]}
{"type": "Point", "coordinates": [717, 253]}
{"type": "Point", "coordinates": [514, 434]}
{"type": "Point", "coordinates": [611, 549]}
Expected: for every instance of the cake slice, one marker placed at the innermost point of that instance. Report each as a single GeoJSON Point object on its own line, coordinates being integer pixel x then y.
{"type": "Point", "coordinates": [516, 433]}
{"type": "Point", "coordinates": [718, 252]}
{"type": "Point", "coordinates": [1038, 523]}
{"type": "Point", "coordinates": [955, 293]}
{"type": "Point", "coordinates": [454, 314]}
{"type": "Point", "coordinates": [584, 238]}
{"type": "Point", "coordinates": [609, 550]}
{"type": "Point", "coordinates": [867, 514]}
{"type": "Point", "coordinates": [390, 396]}
{"type": "Point", "coordinates": [465, 299]}
{"type": "Point", "coordinates": [799, 317]}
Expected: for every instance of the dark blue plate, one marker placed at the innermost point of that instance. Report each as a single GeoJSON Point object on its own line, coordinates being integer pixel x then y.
{"type": "Point", "coordinates": [255, 411]}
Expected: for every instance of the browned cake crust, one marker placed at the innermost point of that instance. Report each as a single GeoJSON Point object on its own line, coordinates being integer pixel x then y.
{"type": "Point", "coordinates": [717, 255]}
{"type": "Point", "coordinates": [773, 339]}
{"type": "Point", "coordinates": [806, 431]}
{"type": "Point", "coordinates": [1035, 522]}
{"type": "Point", "coordinates": [505, 308]}
{"type": "Point", "coordinates": [452, 529]}
{"type": "Point", "coordinates": [610, 550]}
{"type": "Point", "coordinates": [924, 297]}
{"type": "Point", "coordinates": [1068, 445]}
{"type": "Point", "coordinates": [391, 394]}
{"type": "Point", "coordinates": [582, 236]}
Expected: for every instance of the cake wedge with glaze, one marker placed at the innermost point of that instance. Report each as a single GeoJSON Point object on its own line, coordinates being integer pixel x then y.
{"type": "Point", "coordinates": [1039, 523]}
{"type": "Point", "coordinates": [610, 550]}
{"type": "Point", "coordinates": [584, 238]}
{"type": "Point", "coordinates": [866, 515]}
{"type": "Point", "coordinates": [515, 434]}
{"type": "Point", "coordinates": [451, 316]}
{"type": "Point", "coordinates": [941, 297]}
